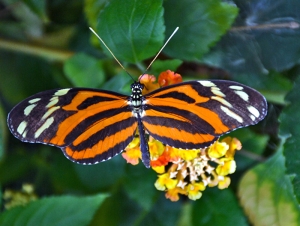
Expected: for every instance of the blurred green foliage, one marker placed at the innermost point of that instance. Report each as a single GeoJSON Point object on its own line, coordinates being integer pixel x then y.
{"type": "Point", "coordinates": [47, 44]}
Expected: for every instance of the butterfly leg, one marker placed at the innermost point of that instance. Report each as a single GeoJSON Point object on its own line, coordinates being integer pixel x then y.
{"type": "Point", "coordinates": [143, 143]}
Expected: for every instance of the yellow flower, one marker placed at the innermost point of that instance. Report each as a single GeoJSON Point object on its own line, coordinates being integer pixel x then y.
{"type": "Point", "coordinates": [19, 198]}
{"type": "Point", "coordinates": [218, 149]}
{"type": "Point", "coordinates": [194, 190]}
{"type": "Point", "coordinates": [156, 148]}
{"type": "Point", "coordinates": [173, 194]}
{"type": "Point", "coordinates": [228, 167]}
{"type": "Point", "coordinates": [184, 154]}
{"type": "Point", "coordinates": [165, 182]}
{"type": "Point", "coordinates": [159, 169]}
{"type": "Point", "coordinates": [133, 153]}
{"type": "Point", "coordinates": [224, 183]}
{"type": "Point", "coordinates": [234, 144]}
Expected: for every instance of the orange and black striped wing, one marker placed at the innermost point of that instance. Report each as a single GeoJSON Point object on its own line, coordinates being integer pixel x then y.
{"type": "Point", "coordinates": [192, 115]}
{"type": "Point", "coordinates": [88, 125]}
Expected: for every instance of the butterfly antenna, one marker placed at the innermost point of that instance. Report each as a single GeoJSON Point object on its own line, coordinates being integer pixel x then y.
{"type": "Point", "coordinates": [111, 52]}
{"type": "Point", "coordinates": [161, 49]}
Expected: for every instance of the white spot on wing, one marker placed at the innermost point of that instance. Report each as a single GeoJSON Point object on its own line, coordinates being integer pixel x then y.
{"type": "Point", "coordinates": [22, 127]}
{"type": "Point", "coordinates": [49, 112]}
{"type": "Point", "coordinates": [215, 90]}
{"type": "Point", "coordinates": [222, 101]}
{"type": "Point", "coordinates": [34, 100]}
{"type": "Point", "coordinates": [45, 126]}
{"type": "Point", "coordinates": [232, 114]}
{"type": "Point", "coordinates": [61, 92]}
{"type": "Point", "coordinates": [24, 134]}
{"type": "Point", "coordinates": [207, 83]}
{"type": "Point", "coordinates": [242, 95]}
{"type": "Point", "coordinates": [236, 87]}
{"type": "Point", "coordinates": [253, 111]}
{"type": "Point", "coordinates": [28, 109]}
{"type": "Point", "coordinates": [52, 102]}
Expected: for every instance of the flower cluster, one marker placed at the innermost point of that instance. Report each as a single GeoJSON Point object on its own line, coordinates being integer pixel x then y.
{"type": "Point", "coordinates": [19, 198]}
{"type": "Point", "coordinates": [185, 172]}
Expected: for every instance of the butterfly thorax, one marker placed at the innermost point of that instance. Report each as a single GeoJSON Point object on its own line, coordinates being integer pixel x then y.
{"type": "Point", "coordinates": [136, 97]}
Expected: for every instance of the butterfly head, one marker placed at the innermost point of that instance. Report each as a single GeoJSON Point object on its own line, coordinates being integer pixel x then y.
{"type": "Point", "coordinates": [136, 95]}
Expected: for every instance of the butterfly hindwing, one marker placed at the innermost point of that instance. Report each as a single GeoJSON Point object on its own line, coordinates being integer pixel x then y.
{"type": "Point", "coordinates": [88, 125]}
{"type": "Point", "coordinates": [194, 114]}
{"type": "Point", "coordinates": [94, 125]}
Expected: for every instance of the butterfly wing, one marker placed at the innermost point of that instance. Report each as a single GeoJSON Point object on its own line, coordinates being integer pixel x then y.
{"type": "Point", "coordinates": [88, 125]}
{"type": "Point", "coordinates": [194, 114]}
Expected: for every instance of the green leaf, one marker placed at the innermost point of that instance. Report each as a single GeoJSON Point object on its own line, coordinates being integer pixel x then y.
{"type": "Point", "coordinates": [253, 147]}
{"type": "Point", "coordinates": [31, 23]}
{"type": "Point", "coordinates": [162, 65]}
{"type": "Point", "coordinates": [3, 131]}
{"type": "Point", "coordinates": [138, 35]}
{"type": "Point", "coordinates": [118, 83]}
{"type": "Point", "coordinates": [266, 194]}
{"type": "Point", "coordinates": [139, 184]}
{"type": "Point", "coordinates": [290, 130]}
{"type": "Point", "coordinates": [164, 212]}
{"type": "Point", "coordinates": [64, 210]}
{"type": "Point", "coordinates": [101, 175]}
{"type": "Point", "coordinates": [38, 7]}
{"type": "Point", "coordinates": [84, 71]}
{"type": "Point", "coordinates": [118, 209]}
{"type": "Point", "coordinates": [92, 9]}
{"type": "Point", "coordinates": [265, 37]}
{"type": "Point", "coordinates": [29, 75]}
{"type": "Point", "coordinates": [217, 207]}
{"type": "Point", "coordinates": [201, 24]}
{"type": "Point", "coordinates": [1, 197]}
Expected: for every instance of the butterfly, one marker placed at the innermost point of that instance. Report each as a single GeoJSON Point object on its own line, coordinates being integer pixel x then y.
{"type": "Point", "coordinates": [91, 125]}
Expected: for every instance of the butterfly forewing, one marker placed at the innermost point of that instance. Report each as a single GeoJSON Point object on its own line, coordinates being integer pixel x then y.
{"type": "Point", "coordinates": [94, 125]}
{"type": "Point", "coordinates": [88, 125]}
{"type": "Point", "coordinates": [194, 114]}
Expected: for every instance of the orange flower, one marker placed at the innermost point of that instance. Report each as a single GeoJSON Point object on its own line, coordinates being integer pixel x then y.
{"type": "Point", "coordinates": [173, 194]}
{"type": "Point", "coordinates": [149, 82]}
{"type": "Point", "coordinates": [168, 77]}
{"type": "Point", "coordinates": [133, 153]}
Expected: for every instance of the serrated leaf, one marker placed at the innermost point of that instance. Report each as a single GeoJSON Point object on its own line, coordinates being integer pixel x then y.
{"type": "Point", "coordinates": [201, 24]}
{"type": "Point", "coordinates": [84, 71]}
{"type": "Point", "coordinates": [290, 130]}
{"type": "Point", "coordinates": [217, 207]}
{"type": "Point", "coordinates": [266, 194]}
{"type": "Point", "coordinates": [64, 210]}
{"type": "Point", "coordinates": [138, 35]}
